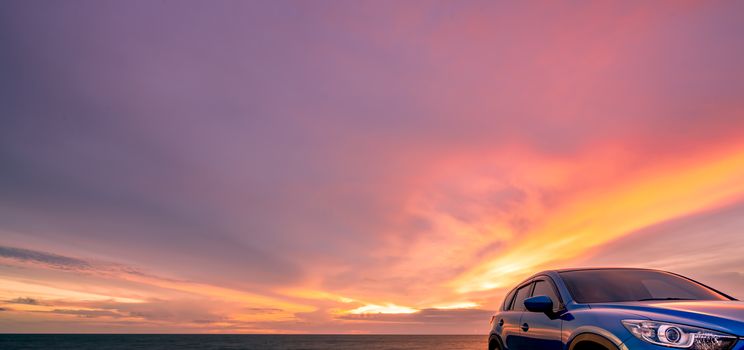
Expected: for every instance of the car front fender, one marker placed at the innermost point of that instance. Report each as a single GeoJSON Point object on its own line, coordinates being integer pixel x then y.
{"type": "Point", "coordinates": [597, 335]}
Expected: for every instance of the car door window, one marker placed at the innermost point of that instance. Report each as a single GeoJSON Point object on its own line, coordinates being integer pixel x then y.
{"type": "Point", "coordinates": [543, 287]}
{"type": "Point", "coordinates": [522, 294]}
{"type": "Point", "coordinates": [508, 300]}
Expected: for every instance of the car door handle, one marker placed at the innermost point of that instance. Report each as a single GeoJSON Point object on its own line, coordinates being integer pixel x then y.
{"type": "Point", "coordinates": [525, 327]}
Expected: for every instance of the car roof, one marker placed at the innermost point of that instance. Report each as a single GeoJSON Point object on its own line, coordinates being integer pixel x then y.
{"type": "Point", "coordinates": [599, 268]}
{"type": "Point", "coordinates": [558, 271]}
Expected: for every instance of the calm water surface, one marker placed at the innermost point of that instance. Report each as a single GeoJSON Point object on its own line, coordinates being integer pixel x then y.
{"type": "Point", "coordinates": [262, 342]}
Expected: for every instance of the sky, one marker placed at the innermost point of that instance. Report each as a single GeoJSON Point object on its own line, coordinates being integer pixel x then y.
{"type": "Point", "coordinates": [356, 166]}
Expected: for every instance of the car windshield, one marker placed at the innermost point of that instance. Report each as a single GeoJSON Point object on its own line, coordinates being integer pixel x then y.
{"type": "Point", "coordinates": [617, 285]}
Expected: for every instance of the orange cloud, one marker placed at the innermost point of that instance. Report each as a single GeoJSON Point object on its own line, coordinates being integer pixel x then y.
{"type": "Point", "coordinates": [601, 215]}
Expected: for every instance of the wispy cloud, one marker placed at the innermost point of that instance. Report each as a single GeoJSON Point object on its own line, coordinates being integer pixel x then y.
{"type": "Point", "coordinates": [27, 301]}
{"type": "Point", "coordinates": [86, 313]}
{"type": "Point", "coordinates": [53, 260]}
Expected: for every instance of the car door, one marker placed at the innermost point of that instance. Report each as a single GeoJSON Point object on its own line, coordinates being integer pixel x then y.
{"type": "Point", "coordinates": [540, 331]}
{"type": "Point", "coordinates": [510, 319]}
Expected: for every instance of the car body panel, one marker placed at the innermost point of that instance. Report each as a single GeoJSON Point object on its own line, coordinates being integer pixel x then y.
{"type": "Point", "coordinates": [542, 332]}
{"type": "Point", "coordinates": [509, 327]}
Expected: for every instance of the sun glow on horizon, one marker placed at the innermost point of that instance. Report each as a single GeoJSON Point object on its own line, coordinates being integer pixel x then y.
{"type": "Point", "coordinates": [382, 309]}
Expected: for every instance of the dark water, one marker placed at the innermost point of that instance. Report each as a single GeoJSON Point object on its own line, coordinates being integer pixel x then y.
{"type": "Point", "coordinates": [258, 342]}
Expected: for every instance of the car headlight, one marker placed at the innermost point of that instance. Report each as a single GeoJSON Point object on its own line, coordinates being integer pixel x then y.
{"type": "Point", "coordinates": [679, 336]}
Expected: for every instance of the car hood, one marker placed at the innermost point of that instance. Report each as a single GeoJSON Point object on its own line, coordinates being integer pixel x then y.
{"type": "Point", "coordinates": [725, 316]}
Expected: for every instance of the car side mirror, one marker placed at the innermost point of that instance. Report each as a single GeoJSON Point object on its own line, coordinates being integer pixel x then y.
{"type": "Point", "coordinates": [540, 303]}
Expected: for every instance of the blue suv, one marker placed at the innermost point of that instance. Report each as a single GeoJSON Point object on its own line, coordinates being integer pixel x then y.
{"type": "Point", "coordinates": [616, 309]}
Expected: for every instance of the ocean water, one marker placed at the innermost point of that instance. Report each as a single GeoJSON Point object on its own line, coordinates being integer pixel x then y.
{"type": "Point", "coordinates": [230, 342]}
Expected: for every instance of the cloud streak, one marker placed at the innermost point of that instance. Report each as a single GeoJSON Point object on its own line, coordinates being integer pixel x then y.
{"type": "Point", "coordinates": [27, 301]}
{"type": "Point", "coordinates": [52, 260]}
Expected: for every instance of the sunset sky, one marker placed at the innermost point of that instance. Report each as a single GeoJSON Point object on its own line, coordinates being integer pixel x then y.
{"type": "Point", "coordinates": [356, 166]}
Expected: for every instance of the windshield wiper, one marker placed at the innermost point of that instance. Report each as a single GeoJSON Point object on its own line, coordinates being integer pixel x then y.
{"type": "Point", "coordinates": [649, 299]}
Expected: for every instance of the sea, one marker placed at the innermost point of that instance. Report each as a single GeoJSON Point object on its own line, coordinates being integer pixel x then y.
{"type": "Point", "coordinates": [235, 342]}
